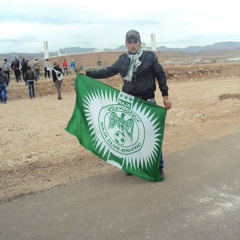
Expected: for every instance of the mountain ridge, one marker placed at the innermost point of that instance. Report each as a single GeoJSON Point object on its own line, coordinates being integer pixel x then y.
{"type": "Point", "coordinates": [218, 47]}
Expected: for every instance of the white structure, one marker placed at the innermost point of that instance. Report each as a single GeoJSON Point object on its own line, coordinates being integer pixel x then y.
{"type": "Point", "coordinates": [99, 50]}
{"type": "Point", "coordinates": [45, 49]}
{"type": "Point", "coordinates": [233, 59]}
{"type": "Point", "coordinates": [153, 40]}
{"type": "Point", "coordinates": [60, 52]}
{"type": "Point", "coordinates": [144, 46]}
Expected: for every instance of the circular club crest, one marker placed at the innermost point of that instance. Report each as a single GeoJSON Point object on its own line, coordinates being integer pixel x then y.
{"type": "Point", "coordinates": [122, 129]}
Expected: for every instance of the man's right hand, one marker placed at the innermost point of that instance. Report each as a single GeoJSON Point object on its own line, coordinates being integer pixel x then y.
{"type": "Point", "coordinates": [167, 103]}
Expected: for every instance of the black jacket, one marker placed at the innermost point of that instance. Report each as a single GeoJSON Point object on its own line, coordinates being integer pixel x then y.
{"type": "Point", "coordinates": [24, 66]}
{"type": "Point", "coordinates": [30, 75]}
{"type": "Point", "coordinates": [54, 76]}
{"type": "Point", "coordinates": [15, 64]}
{"type": "Point", "coordinates": [143, 84]}
{"type": "Point", "coordinates": [4, 78]}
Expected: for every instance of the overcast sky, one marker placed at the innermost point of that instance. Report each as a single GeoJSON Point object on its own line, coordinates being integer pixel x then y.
{"type": "Point", "coordinates": [102, 24]}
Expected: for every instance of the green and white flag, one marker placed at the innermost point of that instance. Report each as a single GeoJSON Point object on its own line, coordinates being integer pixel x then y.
{"type": "Point", "coordinates": [122, 130]}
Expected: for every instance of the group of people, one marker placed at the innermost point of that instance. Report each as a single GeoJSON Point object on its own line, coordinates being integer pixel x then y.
{"type": "Point", "coordinates": [65, 67]}
{"type": "Point", "coordinates": [22, 70]}
{"type": "Point", "coordinates": [19, 69]}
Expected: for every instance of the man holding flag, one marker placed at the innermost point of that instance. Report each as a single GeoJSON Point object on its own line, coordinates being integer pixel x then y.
{"type": "Point", "coordinates": [120, 135]}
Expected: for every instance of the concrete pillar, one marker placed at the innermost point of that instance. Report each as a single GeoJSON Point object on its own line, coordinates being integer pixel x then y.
{"type": "Point", "coordinates": [144, 46]}
{"type": "Point", "coordinates": [45, 49]}
{"type": "Point", "coordinates": [153, 40]}
{"type": "Point", "coordinates": [60, 52]}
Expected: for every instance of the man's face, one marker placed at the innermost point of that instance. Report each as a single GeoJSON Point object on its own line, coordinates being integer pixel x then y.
{"type": "Point", "coordinates": [133, 45]}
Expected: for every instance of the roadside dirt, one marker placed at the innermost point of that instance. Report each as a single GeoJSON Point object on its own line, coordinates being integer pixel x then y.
{"type": "Point", "coordinates": [37, 153]}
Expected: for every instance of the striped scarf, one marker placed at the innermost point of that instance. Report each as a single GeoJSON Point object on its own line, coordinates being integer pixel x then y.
{"type": "Point", "coordinates": [134, 64]}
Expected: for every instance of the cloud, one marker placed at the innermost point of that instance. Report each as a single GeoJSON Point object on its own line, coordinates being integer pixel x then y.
{"type": "Point", "coordinates": [101, 24]}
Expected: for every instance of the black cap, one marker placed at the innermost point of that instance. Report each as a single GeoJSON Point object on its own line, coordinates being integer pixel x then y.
{"type": "Point", "coordinates": [134, 34]}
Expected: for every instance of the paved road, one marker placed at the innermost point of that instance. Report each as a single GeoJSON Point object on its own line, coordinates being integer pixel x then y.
{"type": "Point", "coordinates": [199, 199]}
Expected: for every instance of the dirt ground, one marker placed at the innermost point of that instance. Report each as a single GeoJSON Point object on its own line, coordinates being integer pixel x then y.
{"type": "Point", "coordinates": [37, 153]}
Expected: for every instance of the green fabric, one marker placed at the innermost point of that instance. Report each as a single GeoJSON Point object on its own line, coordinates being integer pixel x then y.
{"type": "Point", "coordinates": [120, 129]}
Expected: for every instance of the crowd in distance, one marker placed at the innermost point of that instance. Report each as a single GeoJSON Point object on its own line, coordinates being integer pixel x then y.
{"type": "Point", "coordinates": [30, 74]}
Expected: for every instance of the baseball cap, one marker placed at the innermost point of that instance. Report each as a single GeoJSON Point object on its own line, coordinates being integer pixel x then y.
{"type": "Point", "coordinates": [134, 34]}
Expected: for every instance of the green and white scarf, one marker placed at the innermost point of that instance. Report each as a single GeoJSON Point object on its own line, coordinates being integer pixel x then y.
{"type": "Point", "coordinates": [134, 64]}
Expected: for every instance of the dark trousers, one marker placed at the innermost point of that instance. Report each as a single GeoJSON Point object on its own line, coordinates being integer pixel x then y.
{"type": "Point", "coordinates": [17, 74]}
{"type": "Point", "coordinates": [24, 74]}
{"type": "Point", "coordinates": [31, 92]}
{"type": "Point", "coordinates": [65, 71]}
{"type": "Point", "coordinates": [3, 92]}
{"type": "Point", "coordinates": [46, 73]}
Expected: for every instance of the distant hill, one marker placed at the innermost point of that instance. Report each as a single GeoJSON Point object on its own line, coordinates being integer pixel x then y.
{"type": "Point", "coordinates": [196, 49]}
{"type": "Point", "coordinates": [228, 46]}
{"type": "Point", "coordinates": [219, 48]}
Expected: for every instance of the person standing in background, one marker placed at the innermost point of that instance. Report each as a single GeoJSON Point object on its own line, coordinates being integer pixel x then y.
{"type": "Point", "coordinates": [36, 67]}
{"type": "Point", "coordinates": [24, 67]}
{"type": "Point", "coordinates": [16, 67]}
{"type": "Point", "coordinates": [47, 68]}
{"type": "Point", "coordinates": [4, 81]}
{"type": "Point", "coordinates": [57, 82]}
{"type": "Point", "coordinates": [29, 80]}
{"type": "Point", "coordinates": [65, 66]}
{"type": "Point", "coordinates": [6, 68]}
{"type": "Point", "coordinates": [73, 67]}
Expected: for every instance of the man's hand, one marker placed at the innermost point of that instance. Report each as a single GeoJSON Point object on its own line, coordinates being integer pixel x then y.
{"type": "Point", "coordinates": [167, 102]}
